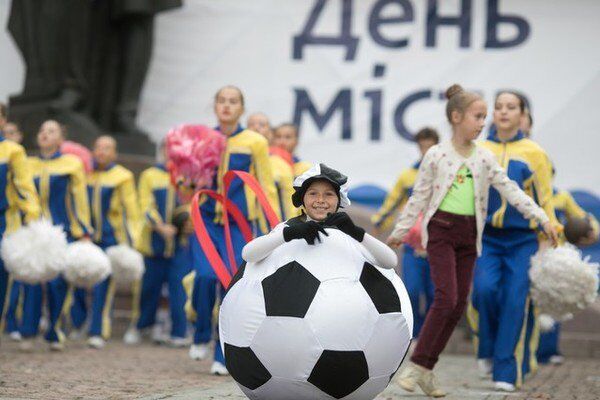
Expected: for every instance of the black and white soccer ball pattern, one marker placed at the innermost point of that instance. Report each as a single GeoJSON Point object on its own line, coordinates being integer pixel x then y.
{"type": "Point", "coordinates": [315, 322]}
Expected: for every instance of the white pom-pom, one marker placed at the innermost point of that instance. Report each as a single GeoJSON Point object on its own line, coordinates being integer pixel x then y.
{"type": "Point", "coordinates": [127, 263]}
{"type": "Point", "coordinates": [546, 323]}
{"type": "Point", "coordinates": [562, 282]}
{"type": "Point", "coordinates": [35, 253]}
{"type": "Point", "coordinates": [86, 265]}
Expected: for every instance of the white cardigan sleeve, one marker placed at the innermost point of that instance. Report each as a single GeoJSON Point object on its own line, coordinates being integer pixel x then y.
{"type": "Point", "coordinates": [513, 193]}
{"type": "Point", "coordinates": [421, 195]}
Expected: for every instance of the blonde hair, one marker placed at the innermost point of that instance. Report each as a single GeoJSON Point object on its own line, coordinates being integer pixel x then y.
{"type": "Point", "coordinates": [459, 100]}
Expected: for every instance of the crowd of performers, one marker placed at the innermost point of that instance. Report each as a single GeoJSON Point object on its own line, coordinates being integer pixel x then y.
{"type": "Point", "coordinates": [486, 208]}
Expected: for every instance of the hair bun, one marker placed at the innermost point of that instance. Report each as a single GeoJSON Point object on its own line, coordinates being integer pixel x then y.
{"type": "Point", "coordinates": [454, 90]}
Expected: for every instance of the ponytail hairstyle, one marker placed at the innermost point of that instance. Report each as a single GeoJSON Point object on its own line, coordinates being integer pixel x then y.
{"type": "Point", "coordinates": [459, 100]}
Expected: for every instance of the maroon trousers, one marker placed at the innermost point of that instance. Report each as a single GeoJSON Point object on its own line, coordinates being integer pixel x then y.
{"type": "Point", "coordinates": [452, 252]}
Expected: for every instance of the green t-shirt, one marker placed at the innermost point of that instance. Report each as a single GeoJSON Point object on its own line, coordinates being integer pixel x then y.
{"type": "Point", "coordinates": [460, 199]}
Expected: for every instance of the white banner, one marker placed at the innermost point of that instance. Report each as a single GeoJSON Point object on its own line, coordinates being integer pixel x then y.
{"type": "Point", "coordinates": [380, 68]}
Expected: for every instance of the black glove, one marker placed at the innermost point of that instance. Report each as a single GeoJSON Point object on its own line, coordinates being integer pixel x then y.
{"type": "Point", "coordinates": [344, 223]}
{"type": "Point", "coordinates": [308, 231]}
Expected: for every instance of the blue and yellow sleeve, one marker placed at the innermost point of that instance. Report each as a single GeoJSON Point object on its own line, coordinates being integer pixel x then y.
{"type": "Point", "coordinates": [543, 187]}
{"type": "Point", "coordinates": [264, 173]}
{"type": "Point", "coordinates": [130, 207]}
{"type": "Point", "coordinates": [81, 205]}
{"type": "Point", "coordinates": [384, 218]}
{"type": "Point", "coordinates": [27, 198]}
{"type": "Point", "coordinates": [147, 202]}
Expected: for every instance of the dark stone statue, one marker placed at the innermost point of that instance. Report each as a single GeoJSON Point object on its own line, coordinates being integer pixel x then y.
{"type": "Point", "coordinates": [86, 62]}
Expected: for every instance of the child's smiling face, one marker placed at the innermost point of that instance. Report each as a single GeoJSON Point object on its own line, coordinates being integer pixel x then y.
{"type": "Point", "coordinates": [320, 200]}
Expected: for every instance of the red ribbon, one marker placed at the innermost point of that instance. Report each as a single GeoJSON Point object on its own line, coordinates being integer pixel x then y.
{"type": "Point", "coordinates": [229, 207]}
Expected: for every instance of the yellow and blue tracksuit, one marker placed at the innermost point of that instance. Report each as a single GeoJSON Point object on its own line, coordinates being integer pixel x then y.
{"type": "Point", "coordinates": [566, 207]}
{"type": "Point", "coordinates": [18, 201]}
{"type": "Point", "coordinates": [167, 261]}
{"type": "Point", "coordinates": [283, 175]}
{"type": "Point", "coordinates": [501, 312]}
{"type": "Point", "coordinates": [14, 310]}
{"type": "Point", "coordinates": [115, 218]}
{"type": "Point", "coordinates": [415, 269]}
{"type": "Point", "coordinates": [61, 187]}
{"type": "Point", "coordinates": [245, 151]}
{"type": "Point", "coordinates": [300, 166]}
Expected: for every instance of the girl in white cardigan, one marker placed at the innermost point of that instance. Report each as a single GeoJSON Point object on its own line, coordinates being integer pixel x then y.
{"type": "Point", "coordinates": [452, 193]}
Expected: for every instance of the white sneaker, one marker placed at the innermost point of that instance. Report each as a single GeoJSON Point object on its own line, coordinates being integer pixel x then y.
{"type": "Point", "coordinates": [76, 334]}
{"type": "Point", "coordinates": [15, 336]}
{"type": "Point", "coordinates": [484, 365]}
{"type": "Point", "coordinates": [158, 336]}
{"type": "Point", "coordinates": [57, 346]}
{"type": "Point", "coordinates": [96, 342]}
{"type": "Point", "coordinates": [218, 369]}
{"type": "Point", "coordinates": [26, 345]}
{"type": "Point", "coordinates": [557, 360]}
{"type": "Point", "coordinates": [132, 337]}
{"type": "Point", "coordinates": [198, 351]}
{"type": "Point", "coordinates": [179, 342]}
{"type": "Point", "coordinates": [504, 386]}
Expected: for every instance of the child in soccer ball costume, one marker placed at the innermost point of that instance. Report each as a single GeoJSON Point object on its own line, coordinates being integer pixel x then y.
{"type": "Point", "coordinates": [320, 192]}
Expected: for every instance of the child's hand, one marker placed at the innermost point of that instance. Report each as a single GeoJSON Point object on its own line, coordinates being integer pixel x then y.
{"type": "Point", "coordinates": [394, 242]}
{"type": "Point", "coordinates": [550, 231]}
{"type": "Point", "coordinates": [344, 223]}
{"type": "Point", "coordinates": [308, 231]}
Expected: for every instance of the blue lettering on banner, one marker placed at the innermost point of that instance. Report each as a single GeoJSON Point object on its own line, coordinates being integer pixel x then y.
{"type": "Point", "coordinates": [401, 111]}
{"type": "Point", "coordinates": [384, 14]}
{"type": "Point", "coordinates": [345, 39]}
{"type": "Point", "coordinates": [494, 19]}
{"type": "Point", "coordinates": [462, 21]}
{"type": "Point", "coordinates": [376, 20]}
{"type": "Point", "coordinates": [342, 102]}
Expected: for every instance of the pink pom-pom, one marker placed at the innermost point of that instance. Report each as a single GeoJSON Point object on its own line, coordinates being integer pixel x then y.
{"type": "Point", "coordinates": [194, 153]}
{"type": "Point", "coordinates": [79, 150]}
{"type": "Point", "coordinates": [413, 239]}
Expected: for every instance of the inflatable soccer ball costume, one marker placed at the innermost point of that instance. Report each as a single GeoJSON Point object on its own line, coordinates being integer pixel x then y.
{"type": "Point", "coordinates": [315, 321]}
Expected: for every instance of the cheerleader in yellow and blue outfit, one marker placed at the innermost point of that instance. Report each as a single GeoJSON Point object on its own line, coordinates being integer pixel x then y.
{"type": "Point", "coordinates": [286, 138]}
{"type": "Point", "coordinates": [501, 310]}
{"type": "Point", "coordinates": [114, 211]}
{"type": "Point", "coordinates": [60, 183]}
{"type": "Point", "coordinates": [18, 202]}
{"type": "Point", "coordinates": [415, 267]}
{"type": "Point", "coordinates": [282, 165]}
{"type": "Point", "coordinates": [245, 151]}
{"type": "Point", "coordinates": [166, 251]}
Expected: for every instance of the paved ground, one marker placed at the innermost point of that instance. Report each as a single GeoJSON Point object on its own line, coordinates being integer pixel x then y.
{"type": "Point", "coordinates": [152, 372]}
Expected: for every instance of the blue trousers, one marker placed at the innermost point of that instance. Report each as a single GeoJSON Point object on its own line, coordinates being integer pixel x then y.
{"type": "Point", "coordinates": [56, 294]}
{"type": "Point", "coordinates": [417, 280]}
{"type": "Point", "coordinates": [12, 322]}
{"type": "Point", "coordinates": [549, 344]}
{"type": "Point", "coordinates": [205, 283]}
{"type": "Point", "coordinates": [160, 270]}
{"type": "Point", "coordinates": [78, 308]}
{"type": "Point", "coordinates": [500, 298]}
{"type": "Point", "coordinates": [3, 293]}
{"type": "Point", "coordinates": [101, 313]}
{"type": "Point", "coordinates": [101, 307]}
